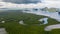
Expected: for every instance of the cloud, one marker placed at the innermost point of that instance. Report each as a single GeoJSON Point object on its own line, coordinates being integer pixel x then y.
{"type": "Point", "coordinates": [45, 3]}
{"type": "Point", "coordinates": [22, 1]}
{"type": "Point", "coordinates": [13, 5]}
{"type": "Point", "coordinates": [52, 3]}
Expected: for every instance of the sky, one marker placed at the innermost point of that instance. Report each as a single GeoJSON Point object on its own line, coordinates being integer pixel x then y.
{"type": "Point", "coordinates": [29, 3]}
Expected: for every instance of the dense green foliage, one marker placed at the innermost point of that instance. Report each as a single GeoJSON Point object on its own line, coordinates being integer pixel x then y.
{"type": "Point", "coordinates": [12, 25]}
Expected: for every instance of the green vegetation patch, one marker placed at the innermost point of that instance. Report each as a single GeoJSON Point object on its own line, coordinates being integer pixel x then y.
{"type": "Point", "coordinates": [12, 25]}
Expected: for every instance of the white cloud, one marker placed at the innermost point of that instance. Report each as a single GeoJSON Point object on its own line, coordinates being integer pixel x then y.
{"type": "Point", "coordinates": [52, 3]}
{"type": "Point", "coordinates": [12, 5]}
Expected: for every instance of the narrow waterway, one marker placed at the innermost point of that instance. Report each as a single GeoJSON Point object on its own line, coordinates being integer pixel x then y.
{"type": "Point", "coordinates": [51, 27]}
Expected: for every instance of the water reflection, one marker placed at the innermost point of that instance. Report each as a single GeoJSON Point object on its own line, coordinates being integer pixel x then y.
{"type": "Point", "coordinates": [54, 15]}
{"type": "Point", "coordinates": [44, 20]}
